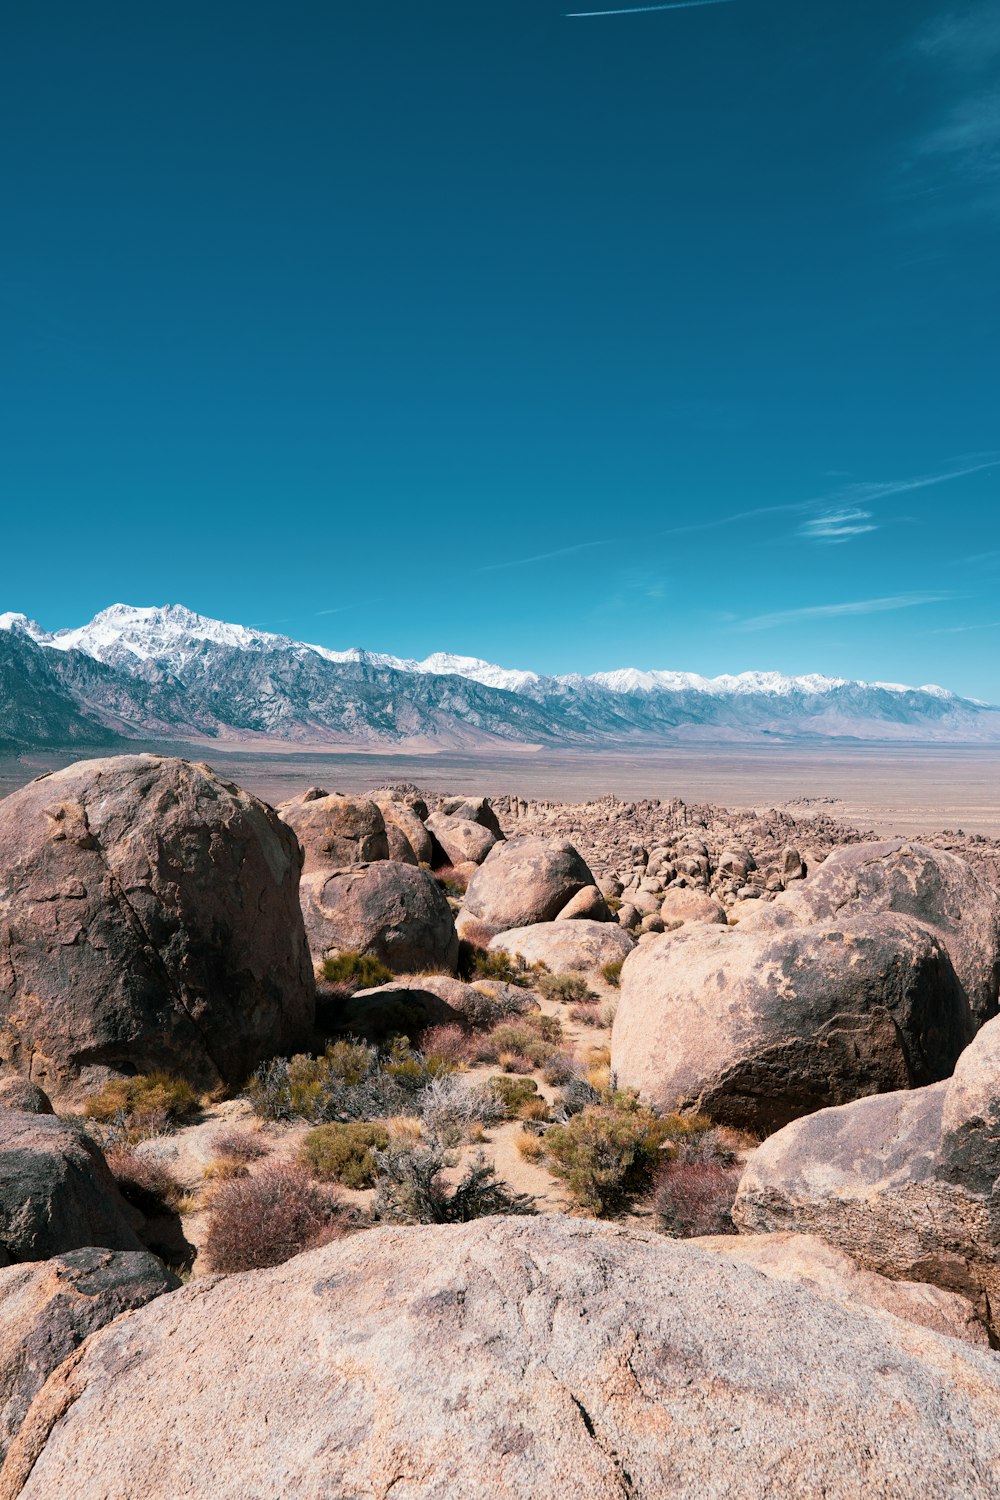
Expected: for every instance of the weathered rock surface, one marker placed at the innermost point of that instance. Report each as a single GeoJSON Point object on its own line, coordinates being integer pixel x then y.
{"type": "Point", "coordinates": [524, 880]}
{"type": "Point", "coordinates": [759, 1027]}
{"type": "Point", "coordinates": [461, 839]}
{"type": "Point", "coordinates": [511, 1358]}
{"type": "Point", "coordinates": [390, 910]}
{"type": "Point", "coordinates": [587, 905]}
{"type": "Point", "coordinates": [335, 830]}
{"type": "Point", "coordinates": [20, 1093]}
{"type": "Point", "coordinates": [933, 886]}
{"type": "Point", "coordinates": [47, 1309]}
{"type": "Point", "coordinates": [391, 1010]}
{"type": "Point", "coordinates": [148, 920]}
{"type": "Point", "coordinates": [811, 1262]}
{"type": "Point", "coordinates": [567, 945]}
{"type": "Point", "coordinates": [473, 809]}
{"type": "Point", "coordinates": [403, 821]}
{"type": "Point", "coordinates": [56, 1192]}
{"type": "Point", "coordinates": [692, 906]}
{"type": "Point", "coordinates": [907, 1183]}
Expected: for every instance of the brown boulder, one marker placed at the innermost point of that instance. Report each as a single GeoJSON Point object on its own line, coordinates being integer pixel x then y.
{"type": "Point", "coordinates": [587, 905]}
{"type": "Point", "coordinates": [403, 822]}
{"type": "Point", "coordinates": [461, 839]}
{"type": "Point", "coordinates": [932, 886]}
{"type": "Point", "coordinates": [21, 1094]}
{"type": "Point", "coordinates": [907, 1183]}
{"type": "Point", "coordinates": [473, 809]}
{"type": "Point", "coordinates": [335, 830]}
{"type": "Point", "coordinates": [56, 1192]}
{"type": "Point", "coordinates": [390, 910]}
{"type": "Point", "coordinates": [149, 920]}
{"type": "Point", "coordinates": [510, 1359]}
{"type": "Point", "coordinates": [759, 1027]}
{"type": "Point", "coordinates": [47, 1309]}
{"type": "Point", "coordinates": [524, 880]}
{"type": "Point", "coordinates": [692, 906]}
{"type": "Point", "coordinates": [390, 1010]}
{"type": "Point", "coordinates": [566, 945]}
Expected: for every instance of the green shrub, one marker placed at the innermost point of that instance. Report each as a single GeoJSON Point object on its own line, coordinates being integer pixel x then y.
{"type": "Point", "coordinates": [611, 973]}
{"type": "Point", "coordinates": [513, 1093]}
{"type": "Point", "coordinates": [482, 963]}
{"type": "Point", "coordinates": [344, 1153]}
{"type": "Point", "coordinates": [568, 989]}
{"type": "Point", "coordinates": [411, 1189]}
{"type": "Point", "coordinates": [610, 1151]}
{"type": "Point", "coordinates": [355, 971]}
{"type": "Point", "coordinates": [350, 1081]}
{"type": "Point", "coordinates": [147, 1102]}
{"type": "Point", "coordinates": [530, 1037]}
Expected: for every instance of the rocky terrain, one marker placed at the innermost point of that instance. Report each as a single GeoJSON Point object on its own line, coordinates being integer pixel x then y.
{"type": "Point", "coordinates": [170, 674]}
{"type": "Point", "coordinates": [445, 1146]}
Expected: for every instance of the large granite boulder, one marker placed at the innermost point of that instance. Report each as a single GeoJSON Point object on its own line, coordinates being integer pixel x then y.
{"type": "Point", "coordinates": [809, 1261]}
{"type": "Point", "coordinates": [462, 840]}
{"type": "Point", "coordinates": [759, 1027]}
{"type": "Point", "coordinates": [936, 888]}
{"type": "Point", "coordinates": [48, 1308]}
{"type": "Point", "coordinates": [567, 945]}
{"type": "Point", "coordinates": [390, 1010]}
{"type": "Point", "coordinates": [510, 1359]}
{"type": "Point", "coordinates": [681, 905]}
{"type": "Point", "coordinates": [149, 919]}
{"type": "Point", "coordinates": [335, 830]}
{"type": "Point", "coordinates": [474, 810]}
{"type": "Point", "coordinates": [401, 822]}
{"type": "Point", "coordinates": [524, 880]}
{"type": "Point", "coordinates": [906, 1183]}
{"type": "Point", "coordinates": [393, 911]}
{"type": "Point", "coordinates": [56, 1192]}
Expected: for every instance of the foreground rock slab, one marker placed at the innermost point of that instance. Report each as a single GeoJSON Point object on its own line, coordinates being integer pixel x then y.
{"type": "Point", "coordinates": [516, 1359]}
{"type": "Point", "coordinates": [758, 1027]}
{"type": "Point", "coordinates": [149, 920]}
{"type": "Point", "coordinates": [908, 1184]}
{"type": "Point", "coordinates": [48, 1309]}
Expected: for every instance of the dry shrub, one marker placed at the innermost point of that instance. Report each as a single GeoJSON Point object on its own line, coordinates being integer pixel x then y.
{"type": "Point", "coordinates": [148, 1184]}
{"type": "Point", "coordinates": [447, 1044]}
{"type": "Point", "coordinates": [695, 1197]}
{"type": "Point", "coordinates": [453, 882]}
{"type": "Point", "coordinates": [266, 1219]}
{"type": "Point", "coordinates": [412, 1189]}
{"type": "Point", "coordinates": [348, 972]}
{"type": "Point", "coordinates": [587, 1015]}
{"type": "Point", "coordinates": [559, 1069]}
{"type": "Point", "coordinates": [611, 1150]}
{"type": "Point", "coordinates": [608, 1012]}
{"type": "Point", "coordinates": [515, 1062]}
{"type": "Point", "coordinates": [599, 1078]}
{"type": "Point", "coordinates": [240, 1145]}
{"type": "Point", "coordinates": [530, 1146]}
{"type": "Point", "coordinates": [536, 1108]}
{"type": "Point", "coordinates": [532, 1037]}
{"type": "Point", "coordinates": [513, 1094]}
{"type": "Point", "coordinates": [145, 1104]}
{"type": "Point", "coordinates": [567, 989]}
{"type": "Point", "coordinates": [611, 973]}
{"type": "Point", "coordinates": [224, 1169]}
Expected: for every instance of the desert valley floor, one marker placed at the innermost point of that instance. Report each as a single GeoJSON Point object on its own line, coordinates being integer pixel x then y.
{"type": "Point", "coordinates": [888, 788]}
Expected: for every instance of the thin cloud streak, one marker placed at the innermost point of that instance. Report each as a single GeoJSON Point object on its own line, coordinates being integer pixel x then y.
{"type": "Point", "coordinates": [838, 526]}
{"type": "Point", "coordinates": [636, 10]}
{"type": "Point", "coordinates": [838, 611]}
{"type": "Point", "coordinates": [523, 562]}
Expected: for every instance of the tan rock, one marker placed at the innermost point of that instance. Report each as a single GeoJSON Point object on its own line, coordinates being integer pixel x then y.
{"type": "Point", "coordinates": [567, 945]}
{"type": "Point", "coordinates": [524, 880]}
{"type": "Point", "coordinates": [512, 1358]}
{"type": "Point", "coordinates": [390, 910]}
{"type": "Point", "coordinates": [335, 830]}
{"type": "Point", "coordinates": [587, 905]}
{"type": "Point", "coordinates": [692, 906]}
{"type": "Point", "coordinates": [462, 840]}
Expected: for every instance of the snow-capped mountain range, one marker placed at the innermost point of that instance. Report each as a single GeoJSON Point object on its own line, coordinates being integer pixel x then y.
{"type": "Point", "coordinates": [168, 673]}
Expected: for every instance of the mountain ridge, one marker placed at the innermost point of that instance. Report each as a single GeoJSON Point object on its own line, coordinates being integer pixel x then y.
{"type": "Point", "coordinates": [165, 671]}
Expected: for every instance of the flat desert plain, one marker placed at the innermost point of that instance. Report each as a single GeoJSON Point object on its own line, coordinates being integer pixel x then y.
{"type": "Point", "coordinates": [889, 788]}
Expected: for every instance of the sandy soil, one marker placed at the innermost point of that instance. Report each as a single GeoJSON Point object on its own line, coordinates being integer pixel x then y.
{"type": "Point", "coordinates": [888, 788]}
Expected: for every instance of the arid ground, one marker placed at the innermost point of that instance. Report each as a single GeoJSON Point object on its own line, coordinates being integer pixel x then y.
{"type": "Point", "coordinates": [886, 788]}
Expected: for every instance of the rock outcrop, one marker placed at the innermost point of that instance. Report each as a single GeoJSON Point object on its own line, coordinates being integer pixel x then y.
{"type": "Point", "coordinates": [335, 830]}
{"type": "Point", "coordinates": [808, 1261]}
{"type": "Point", "coordinates": [402, 821]}
{"type": "Point", "coordinates": [47, 1309]}
{"type": "Point", "coordinates": [511, 1358]}
{"type": "Point", "coordinates": [523, 880]}
{"type": "Point", "coordinates": [935, 887]}
{"type": "Point", "coordinates": [390, 910]}
{"type": "Point", "coordinates": [567, 945]}
{"type": "Point", "coordinates": [462, 840]}
{"type": "Point", "coordinates": [56, 1192]}
{"type": "Point", "coordinates": [759, 1027]}
{"type": "Point", "coordinates": [906, 1183]}
{"type": "Point", "coordinates": [149, 919]}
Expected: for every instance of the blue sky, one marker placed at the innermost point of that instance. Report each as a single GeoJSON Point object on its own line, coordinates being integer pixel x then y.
{"type": "Point", "coordinates": [662, 339]}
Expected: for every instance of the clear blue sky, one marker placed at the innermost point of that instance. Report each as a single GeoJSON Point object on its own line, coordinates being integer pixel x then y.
{"type": "Point", "coordinates": [572, 343]}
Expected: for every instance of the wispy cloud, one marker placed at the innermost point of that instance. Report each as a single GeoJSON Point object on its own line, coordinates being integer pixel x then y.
{"type": "Point", "coordinates": [837, 611]}
{"type": "Point", "coordinates": [636, 10]}
{"type": "Point", "coordinates": [970, 40]}
{"type": "Point", "coordinates": [537, 557]}
{"type": "Point", "coordinates": [961, 146]}
{"type": "Point", "coordinates": [838, 526]}
{"type": "Point", "coordinates": [962, 629]}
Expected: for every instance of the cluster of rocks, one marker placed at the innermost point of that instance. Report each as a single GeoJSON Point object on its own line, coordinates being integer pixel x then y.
{"type": "Point", "coordinates": [838, 996]}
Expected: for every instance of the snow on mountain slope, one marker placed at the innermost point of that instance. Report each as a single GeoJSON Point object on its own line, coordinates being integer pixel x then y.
{"type": "Point", "coordinates": [168, 670]}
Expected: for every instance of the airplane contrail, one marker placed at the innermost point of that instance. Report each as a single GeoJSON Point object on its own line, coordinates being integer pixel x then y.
{"type": "Point", "coordinates": [635, 10]}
